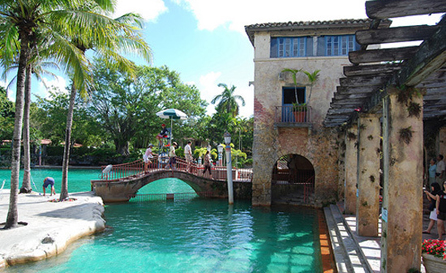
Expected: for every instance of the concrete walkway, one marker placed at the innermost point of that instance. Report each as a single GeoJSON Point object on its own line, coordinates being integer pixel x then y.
{"type": "Point", "coordinates": [354, 253]}
{"type": "Point", "coordinates": [50, 226]}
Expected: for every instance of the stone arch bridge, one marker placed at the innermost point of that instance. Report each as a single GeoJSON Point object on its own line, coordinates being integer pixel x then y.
{"type": "Point", "coordinates": [124, 180]}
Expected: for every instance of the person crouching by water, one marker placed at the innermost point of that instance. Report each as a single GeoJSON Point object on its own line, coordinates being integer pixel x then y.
{"type": "Point", "coordinates": [173, 156]}
{"type": "Point", "coordinates": [46, 182]}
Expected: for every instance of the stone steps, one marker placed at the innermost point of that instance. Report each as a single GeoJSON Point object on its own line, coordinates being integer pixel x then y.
{"type": "Point", "coordinates": [296, 199]}
{"type": "Point", "coordinates": [348, 255]}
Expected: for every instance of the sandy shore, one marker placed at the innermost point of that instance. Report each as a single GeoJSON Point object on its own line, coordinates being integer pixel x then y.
{"type": "Point", "coordinates": [51, 227]}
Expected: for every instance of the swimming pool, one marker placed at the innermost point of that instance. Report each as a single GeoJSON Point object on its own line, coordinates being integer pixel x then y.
{"type": "Point", "coordinates": [195, 235]}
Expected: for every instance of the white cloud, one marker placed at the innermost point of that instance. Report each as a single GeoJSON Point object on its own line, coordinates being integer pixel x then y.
{"type": "Point", "coordinates": [209, 89]}
{"type": "Point", "coordinates": [148, 9]}
{"type": "Point", "coordinates": [235, 14]}
{"type": "Point", "coordinates": [247, 92]}
{"type": "Point", "coordinates": [58, 83]}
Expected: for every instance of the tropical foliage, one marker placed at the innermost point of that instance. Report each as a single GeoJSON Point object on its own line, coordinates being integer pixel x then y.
{"type": "Point", "coordinates": [126, 107]}
{"type": "Point", "coordinates": [227, 101]}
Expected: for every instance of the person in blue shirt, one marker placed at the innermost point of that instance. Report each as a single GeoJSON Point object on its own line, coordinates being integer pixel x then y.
{"type": "Point", "coordinates": [49, 181]}
{"type": "Point", "coordinates": [432, 171]}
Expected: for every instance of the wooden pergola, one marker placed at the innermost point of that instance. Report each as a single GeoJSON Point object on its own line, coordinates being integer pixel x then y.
{"type": "Point", "coordinates": [377, 99]}
{"type": "Point", "coordinates": [422, 66]}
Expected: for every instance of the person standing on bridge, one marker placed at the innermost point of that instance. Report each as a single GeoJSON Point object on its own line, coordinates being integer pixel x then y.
{"type": "Point", "coordinates": [207, 163]}
{"type": "Point", "coordinates": [188, 155]}
{"type": "Point", "coordinates": [173, 156]}
{"type": "Point", "coordinates": [147, 156]}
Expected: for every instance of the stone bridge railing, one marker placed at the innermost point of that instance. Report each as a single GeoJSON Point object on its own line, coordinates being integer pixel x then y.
{"type": "Point", "coordinates": [123, 181]}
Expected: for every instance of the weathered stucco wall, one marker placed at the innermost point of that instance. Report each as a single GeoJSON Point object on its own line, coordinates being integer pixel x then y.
{"type": "Point", "coordinates": [317, 144]}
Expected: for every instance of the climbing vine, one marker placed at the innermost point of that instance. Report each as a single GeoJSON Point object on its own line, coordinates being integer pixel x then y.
{"type": "Point", "coordinates": [406, 134]}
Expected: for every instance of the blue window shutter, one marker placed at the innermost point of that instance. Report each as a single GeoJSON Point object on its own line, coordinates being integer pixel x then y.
{"type": "Point", "coordinates": [273, 49]}
{"type": "Point", "coordinates": [309, 46]}
{"type": "Point", "coordinates": [321, 46]}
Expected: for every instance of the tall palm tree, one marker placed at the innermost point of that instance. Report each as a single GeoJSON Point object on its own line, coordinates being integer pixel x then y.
{"type": "Point", "coordinates": [22, 21]}
{"type": "Point", "coordinates": [228, 101]}
{"type": "Point", "coordinates": [109, 37]}
{"type": "Point", "coordinates": [36, 67]}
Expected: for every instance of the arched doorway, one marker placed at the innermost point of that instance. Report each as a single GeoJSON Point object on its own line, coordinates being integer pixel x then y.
{"type": "Point", "coordinates": [293, 179]}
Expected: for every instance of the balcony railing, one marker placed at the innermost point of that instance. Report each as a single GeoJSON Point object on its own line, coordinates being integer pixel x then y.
{"type": "Point", "coordinates": [293, 115]}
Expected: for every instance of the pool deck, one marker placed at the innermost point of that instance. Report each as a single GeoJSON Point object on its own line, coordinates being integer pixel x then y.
{"type": "Point", "coordinates": [51, 226]}
{"type": "Point", "coordinates": [354, 253]}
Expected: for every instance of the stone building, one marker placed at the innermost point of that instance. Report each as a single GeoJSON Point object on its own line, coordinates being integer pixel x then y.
{"type": "Point", "coordinates": [298, 156]}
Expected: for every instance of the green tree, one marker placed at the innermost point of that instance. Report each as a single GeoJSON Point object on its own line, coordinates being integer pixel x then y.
{"type": "Point", "coordinates": [36, 66]}
{"type": "Point", "coordinates": [6, 115]}
{"type": "Point", "coordinates": [22, 23]}
{"type": "Point", "coordinates": [126, 106]}
{"type": "Point", "coordinates": [227, 101]}
{"type": "Point", "coordinates": [107, 37]}
{"type": "Point", "coordinates": [50, 116]}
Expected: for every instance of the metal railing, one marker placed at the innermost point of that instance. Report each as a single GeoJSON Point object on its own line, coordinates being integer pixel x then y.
{"type": "Point", "coordinates": [139, 168]}
{"type": "Point", "coordinates": [293, 114]}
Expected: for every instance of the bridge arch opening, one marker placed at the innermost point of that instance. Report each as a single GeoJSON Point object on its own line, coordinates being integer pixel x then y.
{"type": "Point", "coordinates": [167, 185]}
{"type": "Point", "coordinates": [293, 178]}
{"type": "Point", "coordinates": [165, 189]}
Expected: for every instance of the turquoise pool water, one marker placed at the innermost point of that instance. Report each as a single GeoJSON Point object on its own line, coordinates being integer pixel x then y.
{"type": "Point", "coordinates": [195, 235]}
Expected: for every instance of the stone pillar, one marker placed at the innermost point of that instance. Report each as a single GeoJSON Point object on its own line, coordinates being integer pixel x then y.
{"type": "Point", "coordinates": [264, 156]}
{"type": "Point", "coordinates": [402, 190]}
{"type": "Point", "coordinates": [367, 203]}
{"type": "Point", "coordinates": [441, 144]}
{"type": "Point", "coordinates": [351, 160]}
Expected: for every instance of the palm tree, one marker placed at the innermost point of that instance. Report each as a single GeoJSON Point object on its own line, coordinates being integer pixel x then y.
{"type": "Point", "coordinates": [294, 74]}
{"type": "Point", "coordinates": [23, 21]}
{"type": "Point", "coordinates": [228, 101]}
{"type": "Point", "coordinates": [109, 37]}
{"type": "Point", "coordinates": [37, 68]}
{"type": "Point", "coordinates": [312, 78]}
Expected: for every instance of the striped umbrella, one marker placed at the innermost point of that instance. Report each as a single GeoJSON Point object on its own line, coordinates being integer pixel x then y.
{"type": "Point", "coordinates": [171, 114]}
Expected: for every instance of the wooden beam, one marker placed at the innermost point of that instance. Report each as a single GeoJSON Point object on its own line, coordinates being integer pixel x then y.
{"type": "Point", "coordinates": [339, 96]}
{"type": "Point", "coordinates": [382, 55]}
{"type": "Point", "coordinates": [400, 8]}
{"type": "Point", "coordinates": [363, 80]}
{"type": "Point", "coordinates": [430, 57]}
{"type": "Point", "coordinates": [356, 90]}
{"type": "Point", "coordinates": [375, 69]}
{"type": "Point", "coordinates": [394, 35]}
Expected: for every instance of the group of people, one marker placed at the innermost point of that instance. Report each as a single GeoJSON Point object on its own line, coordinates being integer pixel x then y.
{"type": "Point", "coordinates": [149, 155]}
{"type": "Point", "coordinates": [437, 196]}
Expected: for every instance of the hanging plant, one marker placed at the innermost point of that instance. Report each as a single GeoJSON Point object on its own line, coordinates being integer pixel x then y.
{"type": "Point", "coordinates": [414, 109]}
{"type": "Point", "coordinates": [405, 94]}
{"type": "Point", "coordinates": [351, 136]}
{"type": "Point", "coordinates": [406, 134]}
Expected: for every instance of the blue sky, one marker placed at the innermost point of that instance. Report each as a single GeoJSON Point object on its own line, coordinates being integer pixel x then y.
{"type": "Point", "coordinates": [205, 41]}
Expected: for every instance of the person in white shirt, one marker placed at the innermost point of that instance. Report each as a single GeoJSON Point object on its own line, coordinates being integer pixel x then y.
{"type": "Point", "coordinates": [147, 156]}
{"type": "Point", "coordinates": [172, 156]}
{"type": "Point", "coordinates": [188, 154]}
